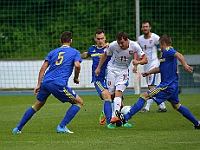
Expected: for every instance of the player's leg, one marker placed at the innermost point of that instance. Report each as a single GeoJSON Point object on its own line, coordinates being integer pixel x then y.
{"type": "Point", "coordinates": [183, 110]}
{"type": "Point", "coordinates": [41, 100]}
{"type": "Point", "coordinates": [66, 94]}
{"type": "Point", "coordinates": [104, 94]}
{"type": "Point", "coordinates": [158, 92]}
{"type": "Point", "coordinates": [162, 108]}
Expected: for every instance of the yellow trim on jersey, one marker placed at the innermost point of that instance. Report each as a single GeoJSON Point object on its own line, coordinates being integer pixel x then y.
{"type": "Point", "coordinates": [98, 54]}
{"type": "Point", "coordinates": [68, 94]}
{"type": "Point", "coordinates": [167, 48]}
{"type": "Point", "coordinates": [100, 86]}
{"type": "Point", "coordinates": [156, 91]}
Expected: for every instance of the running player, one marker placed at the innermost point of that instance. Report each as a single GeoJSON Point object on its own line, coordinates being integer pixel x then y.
{"type": "Point", "coordinates": [122, 51]}
{"type": "Point", "coordinates": [58, 65]}
{"type": "Point", "coordinates": [150, 46]}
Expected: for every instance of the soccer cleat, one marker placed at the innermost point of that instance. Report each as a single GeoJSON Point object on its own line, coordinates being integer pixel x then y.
{"type": "Point", "coordinates": [127, 125]}
{"type": "Point", "coordinates": [120, 116]}
{"type": "Point", "coordinates": [110, 126]}
{"type": "Point", "coordinates": [114, 119]}
{"type": "Point", "coordinates": [198, 126]}
{"type": "Point", "coordinates": [16, 131]}
{"type": "Point", "coordinates": [119, 124]}
{"type": "Point", "coordinates": [161, 110]}
{"type": "Point", "coordinates": [60, 129]}
{"type": "Point", "coordinates": [144, 111]}
{"type": "Point", "coordinates": [102, 118]}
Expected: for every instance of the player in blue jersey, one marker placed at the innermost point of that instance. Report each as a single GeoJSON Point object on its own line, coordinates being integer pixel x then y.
{"type": "Point", "coordinates": [168, 87]}
{"type": "Point", "coordinates": [58, 65]}
{"type": "Point", "coordinates": [95, 52]}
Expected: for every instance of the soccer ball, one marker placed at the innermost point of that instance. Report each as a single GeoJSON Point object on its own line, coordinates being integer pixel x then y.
{"type": "Point", "coordinates": [125, 109]}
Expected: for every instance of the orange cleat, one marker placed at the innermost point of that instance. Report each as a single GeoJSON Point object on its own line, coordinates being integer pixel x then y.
{"type": "Point", "coordinates": [102, 121]}
{"type": "Point", "coordinates": [114, 119]}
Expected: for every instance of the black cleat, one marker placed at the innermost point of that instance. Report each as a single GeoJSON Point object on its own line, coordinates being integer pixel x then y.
{"type": "Point", "coordinates": [120, 116]}
{"type": "Point", "coordinates": [160, 110]}
{"type": "Point", "coordinates": [198, 126]}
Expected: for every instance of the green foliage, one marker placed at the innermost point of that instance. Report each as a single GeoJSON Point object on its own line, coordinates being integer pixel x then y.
{"type": "Point", "coordinates": [166, 131]}
{"type": "Point", "coordinates": [30, 29]}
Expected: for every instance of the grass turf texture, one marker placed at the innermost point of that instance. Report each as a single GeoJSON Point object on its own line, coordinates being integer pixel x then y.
{"type": "Point", "coordinates": [150, 131]}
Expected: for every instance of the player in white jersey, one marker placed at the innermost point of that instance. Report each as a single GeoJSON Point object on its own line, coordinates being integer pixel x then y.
{"type": "Point", "coordinates": [122, 51]}
{"type": "Point", "coordinates": [149, 42]}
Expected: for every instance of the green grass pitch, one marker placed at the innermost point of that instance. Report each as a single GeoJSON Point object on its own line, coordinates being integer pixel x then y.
{"type": "Point", "coordinates": [152, 131]}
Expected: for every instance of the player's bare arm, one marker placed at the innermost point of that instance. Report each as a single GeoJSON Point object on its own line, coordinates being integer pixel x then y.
{"type": "Point", "coordinates": [84, 55]}
{"type": "Point", "coordinates": [141, 61]}
{"type": "Point", "coordinates": [76, 71]}
{"type": "Point", "coordinates": [44, 67]}
{"type": "Point", "coordinates": [101, 61]}
{"type": "Point", "coordinates": [183, 62]}
{"type": "Point", "coordinates": [152, 71]}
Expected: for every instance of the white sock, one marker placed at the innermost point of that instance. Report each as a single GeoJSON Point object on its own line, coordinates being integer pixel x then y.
{"type": "Point", "coordinates": [116, 104]}
{"type": "Point", "coordinates": [148, 105]}
{"type": "Point", "coordinates": [162, 105]}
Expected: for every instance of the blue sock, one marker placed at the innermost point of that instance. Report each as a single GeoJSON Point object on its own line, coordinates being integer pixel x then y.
{"type": "Point", "coordinates": [107, 110]}
{"type": "Point", "coordinates": [187, 114]}
{"type": "Point", "coordinates": [27, 116]}
{"type": "Point", "coordinates": [71, 112]}
{"type": "Point", "coordinates": [135, 108]}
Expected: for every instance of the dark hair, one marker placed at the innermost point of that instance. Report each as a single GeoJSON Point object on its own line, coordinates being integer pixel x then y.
{"type": "Point", "coordinates": [165, 39]}
{"type": "Point", "coordinates": [66, 37]}
{"type": "Point", "coordinates": [146, 21]}
{"type": "Point", "coordinates": [121, 35]}
{"type": "Point", "coordinates": [99, 31]}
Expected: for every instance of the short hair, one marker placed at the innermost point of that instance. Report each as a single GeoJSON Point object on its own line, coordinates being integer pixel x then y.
{"type": "Point", "coordinates": [146, 21]}
{"type": "Point", "coordinates": [165, 39]}
{"type": "Point", "coordinates": [99, 31]}
{"type": "Point", "coordinates": [66, 37]}
{"type": "Point", "coordinates": [121, 35]}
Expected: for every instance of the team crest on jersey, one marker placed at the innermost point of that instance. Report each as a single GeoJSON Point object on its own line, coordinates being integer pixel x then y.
{"type": "Point", "coordinates": [131, 52]}
{"type": "Point", "coordinates": [150, 41]}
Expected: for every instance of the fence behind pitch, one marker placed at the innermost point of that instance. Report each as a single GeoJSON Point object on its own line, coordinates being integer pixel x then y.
{"type": "Point", "coordinates": [30, 29]}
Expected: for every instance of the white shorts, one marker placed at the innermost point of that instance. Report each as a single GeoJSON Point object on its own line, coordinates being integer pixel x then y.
{"type": "Point", "coordinates": [117, 79]}
{"type": "Point", "coordinates": [152, 79]}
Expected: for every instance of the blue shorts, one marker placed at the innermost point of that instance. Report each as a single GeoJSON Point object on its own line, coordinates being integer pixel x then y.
{"type": "Point", "coordinates": [64, 94]}
{"type": "Point", "coordinates": [162, 93]}
{"type": "Point", "coordinates": [100, 86]}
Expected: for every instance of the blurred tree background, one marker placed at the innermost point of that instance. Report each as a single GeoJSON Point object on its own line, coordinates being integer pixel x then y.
{"type": "Point", "coordinates": [29, 29]}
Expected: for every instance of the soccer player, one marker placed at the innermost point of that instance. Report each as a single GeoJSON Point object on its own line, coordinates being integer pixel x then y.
{"type": "Point", "coordinates": [168, 87]}
{"type": "Point", "coordinates": [58, 65]}
{"type": "Point", "coordinates": [95, 52]}
{"type": "Point", "coordinates": [150, 46]}
{"type": "Point", "coordinates": [122, 54]}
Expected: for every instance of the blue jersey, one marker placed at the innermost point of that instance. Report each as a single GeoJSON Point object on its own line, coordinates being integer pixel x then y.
{"type": "Point", "coordinates": [61, 61]}
{"type": "Point", "coordinates": [95, 53]}
{"type": "Point", "coordinates": [168, 67]}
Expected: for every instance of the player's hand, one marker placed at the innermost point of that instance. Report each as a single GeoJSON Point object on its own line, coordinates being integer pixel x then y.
{"type": "Point", "coordinates": [36, 90]}
{"type": "Point", "coordinates": [76, 81]}
{"type": "Point", "coordinates": [144, 74]}
{"type": "Point", "coordinates": [188, 68]}
{"type": "Point", "coordinates": [136, 62]}
{"type": "Point", "coordinates": [134, 69]}
{"type": "Point", "coordinates": [97, 71]}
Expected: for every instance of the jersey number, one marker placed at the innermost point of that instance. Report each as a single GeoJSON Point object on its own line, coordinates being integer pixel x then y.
{"type": "Point", "coordinates": [60, 58]}
{"type": "Point", "coordinates": [123, 58]}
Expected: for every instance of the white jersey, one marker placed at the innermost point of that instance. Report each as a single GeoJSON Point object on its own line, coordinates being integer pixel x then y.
{"type": "Point", "coordinates": [121, 59]}
{"type": "Point", "coordinates": [149, 47]}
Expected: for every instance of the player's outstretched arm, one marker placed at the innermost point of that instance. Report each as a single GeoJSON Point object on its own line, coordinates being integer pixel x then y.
{"type": "Point", "coordinates": [84, 55]}
{"type": "Point", "coordinates": [101, 61]}
{"type": "Point", "coordinates": [183, 62]}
